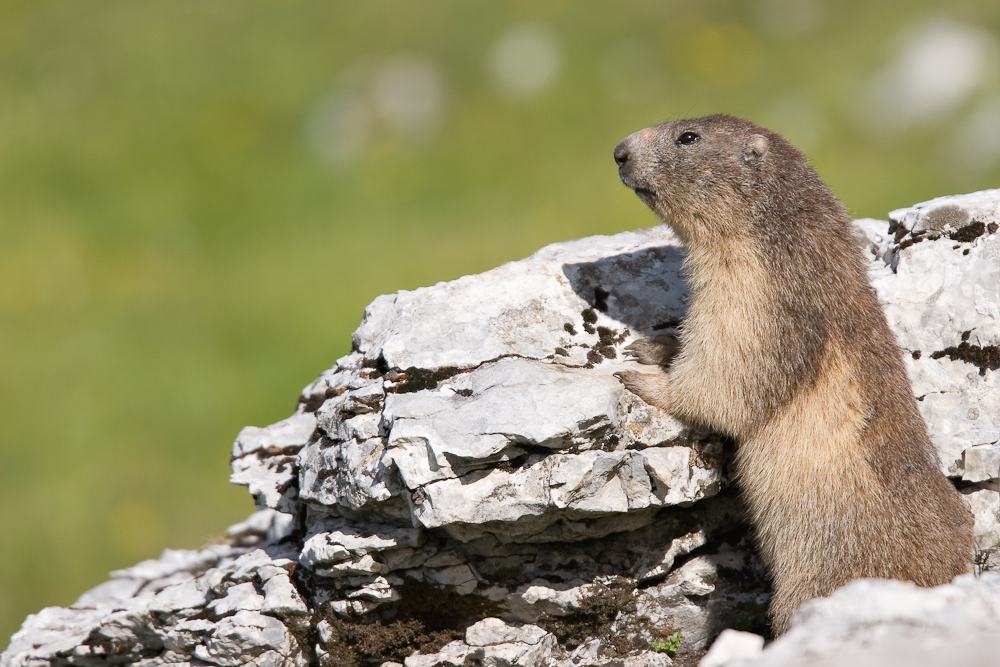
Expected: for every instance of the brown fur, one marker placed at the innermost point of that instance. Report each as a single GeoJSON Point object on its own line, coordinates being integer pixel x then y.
{"type": "Point", "coordinates": [786, 348]}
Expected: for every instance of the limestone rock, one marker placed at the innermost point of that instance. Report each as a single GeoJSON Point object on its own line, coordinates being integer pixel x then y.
{"type": "Point", "coordinates": [472, 480]}
{"type": "Point", "coordinates": [938, 280]}
{"type": "Point", "coordinates": [733, 647]}
{"type": "Point", "coordinates": [878, 622]}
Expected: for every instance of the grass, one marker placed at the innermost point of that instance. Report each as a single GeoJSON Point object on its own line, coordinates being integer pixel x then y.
{"type": "Point", "coordinates": [177, 261]}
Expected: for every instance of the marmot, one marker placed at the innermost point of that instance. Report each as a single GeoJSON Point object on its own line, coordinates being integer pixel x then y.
{"type": "Point", "coordinates": [786, 349]}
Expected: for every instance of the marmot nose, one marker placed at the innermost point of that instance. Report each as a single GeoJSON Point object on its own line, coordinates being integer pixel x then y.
{"type": "Point", "coordinates": [621, 153]}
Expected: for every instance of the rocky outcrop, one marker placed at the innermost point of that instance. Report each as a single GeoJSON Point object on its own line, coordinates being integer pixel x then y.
{"type": "Point", "coordinates": [471, 485]}
{"type": "Point", "coordinates": [876, 622]}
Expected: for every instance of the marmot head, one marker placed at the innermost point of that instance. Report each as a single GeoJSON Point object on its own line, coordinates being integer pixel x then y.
{"type": "Point", "coordinates": [717, 176]}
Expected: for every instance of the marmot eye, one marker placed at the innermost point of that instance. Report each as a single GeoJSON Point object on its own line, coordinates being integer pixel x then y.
{"type": "Point", "coordinates": [688, 138]}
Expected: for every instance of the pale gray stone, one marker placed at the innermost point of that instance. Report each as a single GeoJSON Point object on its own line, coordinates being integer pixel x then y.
{"type": "Point", "coordinates": [451, 655]}
{"type": "Point", "coordinates": [351, 474]}
{"type": "Point", "coordinates": [405, 558]}
{"type": "Point", "coordinates": [461, 577]}
{"type": "Point", "coordinates": [981, 463]}
{"type": "Point", "coordinates": [289, 433]}
{"type": "Point", "coordinates": [281, 598]}
{"type": "Point", "coordinates": [115, 590]}
{"type": "Point", "coordinates": [249, 636]}
{"type": "Point", "coordinates": [264, 459]}
{"type": "Point", "coordinates": [238, 598]}
{"type": "Point", "coordinates": [361, 565]}
{"type": "Point", "coordinates": [180, 596]}
{"type": "Point", "coordinates": [873, 620]}
{"type": "Point", "coordinates": [52, 632]}
{"type": "Point", "coordinates": [587, 653]}
{"type": "Point", "coordinates": [357, 541]}
{"type": "Point", "coordinates": [378, 591]}
{"type": "Point", "coordinates": [949, 213]}
{"type": "Point", "coordinates": [985, 504]}
{"type": "Point", "coordinates": [263, 525]}
{"type": "Point", "coordinates": [320, 550]}
{"type": "Point", "coordinates": [248, 566]}
{"type": "Point", "coordinates": [731, 647]}
{"type": "Point", "coordinates": [646, 659]}
{"type": "Point", "coordinates": [352, 609]}
{"type": "Point", "coordinates": [451, 325]}
{"type": "Point", "coordinates": [680, 546]}
{"type": "Point", "coordinates": [491, 631]}
{"type": "Point", "coordinates": [934, 293]}
{"type": "Point", "coordinates": [514, 654]}
{"type": "Point", "coordinates": [185, 635]}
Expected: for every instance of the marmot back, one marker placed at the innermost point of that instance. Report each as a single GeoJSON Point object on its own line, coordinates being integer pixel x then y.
{"type": "Point", "coordinates": [786, 348]}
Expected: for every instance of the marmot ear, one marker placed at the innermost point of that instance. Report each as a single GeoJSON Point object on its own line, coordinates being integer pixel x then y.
{"type": "Point", "coordinates": [755, 149]}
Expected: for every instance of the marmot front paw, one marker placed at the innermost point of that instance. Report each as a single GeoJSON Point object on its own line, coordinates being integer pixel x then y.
{"type": "Point", "coordinates": [658, 351]}
{"type": "Point", "coordinates": [638, 383]}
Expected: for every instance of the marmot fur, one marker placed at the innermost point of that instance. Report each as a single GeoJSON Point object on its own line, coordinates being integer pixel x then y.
{"type": "Point", "coordinates": [786, 349]}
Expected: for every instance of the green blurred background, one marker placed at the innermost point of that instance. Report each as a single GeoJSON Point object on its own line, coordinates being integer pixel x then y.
{"type": "Point", "coordinates": [199, 197]}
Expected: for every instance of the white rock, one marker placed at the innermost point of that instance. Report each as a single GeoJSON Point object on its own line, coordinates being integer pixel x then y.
{"type": "Point", "coordinates": [181, 596]}
{"type": "Point", "coordinates": [184, 636]}
{"type": "Point", "coordinates": [460, 576]}
{"type": "Point", "coordinates": [379, 591]}
{"type": "Point", "coordinates": [949, 213]}
{"type": "Point", "coordinates": [249, 635]}
{"type": "Point", "coordinates": [281, 598]}
{"type": "Point", "coordinates": [362, 565]}
{"type": "Point", "coordinates": [547, 600]}
{"type": "Point", "coordinates": [731, 647]}
{"type": "Point", "coordinates": [376, 537]}
{"type": "Point", "coordinates": [320, 550]}
{"type": "Point", "coordinates": [981, 462]}
{"type": "Point", "coordinates": [238, 598]}
{"type": "Point", "coordinates": [264, 524]}
{"type": "Point", "coordinates": [938, 291]}
{"type": "Point", "coordinates": [451, 655]}
{"type": "Point", "coordinates": [511, 402]}
{"type": "Point", "coordinates": [289, 434]}
{"type": "Point", "coordinates": [248, 566]}
{"type": "Point", "coordinates": [405, 558]}
{"type": "Point", "coordinates": [985, 504]}
{"type": "Point", "coordinates": [264, 459]}
{"type": "Point", "coordinates": [514, 654]}
{"type": "Point", "coordinates": [646, 659]}
{"type": "Point", "coordinates": [498, 361]}
{"type": "Point", "coordinates": [353, 476]}
{"type": "Point", "coordinates": [680, 546]}
{"type": "Point", "coordinates": [872, 619]}
{"type": "Point", "coordinates": [452, 324]}
{"type": "Point", "coordinates": [587, 653]}
{"type": "Point", "coordinates": [115, 590]}
{"type": "Point", "coordinates": [491, 631]}
{"type": "Point", "coordinates": [695, 578]}
{"type": "Point", "coordinates": [680, 474]}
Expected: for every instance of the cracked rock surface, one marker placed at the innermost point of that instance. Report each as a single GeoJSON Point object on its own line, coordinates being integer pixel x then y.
{"type": "Point", "coordinates": [876, 622]}
{"type": "Point", "coordinates": [472, 486]}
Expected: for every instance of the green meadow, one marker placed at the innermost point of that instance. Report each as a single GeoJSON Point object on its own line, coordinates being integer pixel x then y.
{"type": "Point", "coordinates": [199, 197]}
